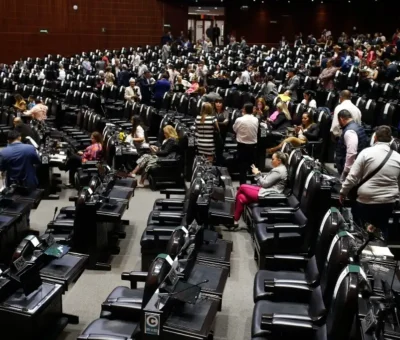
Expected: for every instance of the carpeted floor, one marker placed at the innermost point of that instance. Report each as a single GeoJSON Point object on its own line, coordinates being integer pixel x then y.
{"type": "Point", "coordinates": [85, 297]}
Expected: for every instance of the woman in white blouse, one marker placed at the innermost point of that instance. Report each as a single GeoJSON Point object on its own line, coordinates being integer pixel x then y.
{"type": "Point", "coordinates": [309, 99]}
{"type": "Point", "coordinates": [136, 137]}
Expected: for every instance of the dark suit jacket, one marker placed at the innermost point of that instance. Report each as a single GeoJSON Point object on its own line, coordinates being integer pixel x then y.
{"type": "Point", "coordinates": [145, 88]}
{"type": "Point", "coordinates": [280, 123]}
{"type": "Point", "coordinates": [312, 133]}
{"type": "Point", "coordinates": [123, 78]}
{"type": "Point", "coordinates": [162, 86]}
{"type": "Point", "coordinates": [25, 131]}
{"type": "Point", "coordinates": [292, 85]}
{"type": "Point", "coordinates": [168, 149]}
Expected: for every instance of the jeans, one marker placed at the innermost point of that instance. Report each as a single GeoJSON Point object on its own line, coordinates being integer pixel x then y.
{"type": "Point", "coordinates": [246, 194]}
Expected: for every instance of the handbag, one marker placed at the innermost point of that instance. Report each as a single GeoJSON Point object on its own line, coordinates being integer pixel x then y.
{"type": "Point", "coordinates": [352, 195]}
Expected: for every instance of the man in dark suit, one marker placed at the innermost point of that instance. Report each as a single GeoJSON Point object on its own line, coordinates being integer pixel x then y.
{"type": "Point", "coordinates": [391, 70]}
{"type": "Point", "coordinates": [210, 33]}
{"type": "Point", "coordinates": [292, 83]}
{"type": "Point", "coordinates": [145, 87]}
{"type": "Point", "coordinates": [123, 77]}
{"type": "Point", "coordinates": [216, 35]}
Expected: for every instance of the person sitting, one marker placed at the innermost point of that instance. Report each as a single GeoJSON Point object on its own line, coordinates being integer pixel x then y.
{"type": "Point", "coordinates": [282, 119]}
{"type": "Point", "coordinates": [31, 102]}
{"type": "Point", "coordinates": [24, 130]}
{"type": "Point", "coordinates": [93, 152]}
{"type": "Point", "coordinates": [38, 112]}
{"type": "Point", "coordinates": [179, 86]}
{"type": "Point", "coordinates": [308, 131]}
{"type": "Point", "coordinates": [274, 182]}
{"type": "Point", "coordinates": [309, 100]}
{"type": "Point", "coordinates": [136, 137]}
{"type": "Point", "coordinates": [168, 150]}
{"type": "Point", "coordinates": [194, 87]}
{"type": "Point", "coordinates": [20, 104]}
{"type": "Point", "coordinates": [261, 109]}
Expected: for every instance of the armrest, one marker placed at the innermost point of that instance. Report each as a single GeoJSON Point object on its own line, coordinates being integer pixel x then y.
{"type": "Point", "coordinates": [171, 191]}
{"type": "Point", "coordinates": [272, 200]}
{"type": "Point", "coordinates": [170, 202]}
{"type": "Point", "coordinates": [166, 161]}
{"type": "Point", "coordinates": [283, 228]}
{"type": "Point", "coordinates": [288, 291]}
{"type": "Point", "coordinates": [274, 215]}
{"type": "Point", "coordinates": [168, 216]}
{"type": "Point", "coordinates": [134, 278]}
{"type": "Point", "coordinates": [280, 323]}
{"type": "Point", "coordinates": [285, 262]}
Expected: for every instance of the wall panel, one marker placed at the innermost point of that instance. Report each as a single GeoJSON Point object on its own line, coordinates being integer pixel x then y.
{"type": "Point", "coordinates": [126, 23]}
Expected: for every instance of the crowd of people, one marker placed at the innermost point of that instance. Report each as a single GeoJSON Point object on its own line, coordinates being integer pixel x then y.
{"type": "Point", "coordinates": [354, 159]}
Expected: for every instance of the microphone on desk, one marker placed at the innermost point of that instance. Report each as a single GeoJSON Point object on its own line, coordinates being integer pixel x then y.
{"type": "Point", "coordinates": [55, 212]}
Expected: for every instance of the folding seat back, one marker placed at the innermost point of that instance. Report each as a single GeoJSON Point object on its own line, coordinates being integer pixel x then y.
{"type": "Point", "coordinates": [369, 112]}
{"type": "Point", "coordinates": [236, 100]}
{"type": "Point", "coordinates": [64, 86]}
{"type": "Point", "coordinates": [387, 115]}
{"type": "Point", "coordinates": [69, 96]}
{"type": "Point", "coordinates": [166, 103]}
{"type": "Point", "coordinates": [76, 98]}
{"type": "Point", "coordinates": [344, 304]}
{"type": "Point", "coordinates": [73, 85]}
{"type": "Point", "coordinates": [183, 104]}
{"type": "Point", "coordinates": [199, 106]}
{"type": "Point", "coordinates": [373, 90]}
{"type": "Point", "coordinates": [228, 97]}
{"type": "Point", "coordinates": [176, 242]}
{"type": "Point", "coordinates": [338, 257]}
{"type": "Point", "coordinates": [35, 91]}
{"type": "Point", "coordinates": [6, 84]}
{"type": "Point", "coordinates": [11, 118]}
{"type": "Point", "coordinates": [136, 109]}
{"type": "Point", "coordinates": [176, 97]}
{"type": "Point", "coordinates": [331, 100]}
{"type": "Point", "coordinates": [113, 93]}
{"type": "Point", "coordinates": [387, 90]}
{"type": "Point", "coordinates": [192, 106]}
{"type": "Point", "coordinates": [94, 101]}
{"type": "Point", "coordinates": [105, 89]}
{"type": "Point", "coordinates": [85, 99]}
{"type": "Point", "coordinates": [4, 117]}
{"type": "Point", "coordinates": [298, 174]}
{"type": "Point", "coordinates": [121, 93]}
{"type": "Point", "coordinates": [86, 117]}
{"type": "Point", "coordinates": [340, 80]}
{"type": "Point", "coordinates": [80, 118]}
{"type": "Point", "coordinates": [128, 110]}
{"type": "Point", "coordinates": [246, 97]}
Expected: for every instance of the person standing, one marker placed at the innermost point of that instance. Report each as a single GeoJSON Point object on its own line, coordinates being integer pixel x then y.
{"type": "Point", "coordinates": [210, 33]}
{"type": "Point", "coordinates": [350, 143]}
{"type": "Point", "coordinates": [166, 51]}
{"type": "Point", "coordinates": [375, 174]}
{"type": "Point", "coordinates": [132, 92]}
{"type": "Point", "coordinates": [216, 35]}
{"type": "Point", "coordinates": [246, 129]}
{"type": "Point", "coordinates": [145, 87]}
{"type": "Point", "coordinates": [18, 160]}
{"type": "Point", "coordinates": [345, 104]}
{"type": "Point", "coordinates": [206, 126]}
{"type": "Point", "coordinates": [293, 83]}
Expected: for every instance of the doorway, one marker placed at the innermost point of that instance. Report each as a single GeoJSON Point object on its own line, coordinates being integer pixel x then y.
{"type": "Point", "coordinates": [201, 27]}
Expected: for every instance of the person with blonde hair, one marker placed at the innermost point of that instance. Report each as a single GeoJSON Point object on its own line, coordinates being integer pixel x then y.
{"type": "Point", "coordinates": [168, 150]}
{"type": "Point", "coordinates": [283, 118]}
{"type": "Point", "coordinates": [206, 126]}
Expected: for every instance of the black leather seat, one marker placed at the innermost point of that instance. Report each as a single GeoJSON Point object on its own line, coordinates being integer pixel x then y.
{"type": "Point", "coordinates": [294, 232]}
{"type": "Point", "coordinates": [268, 323]}
{"type": "Point", "coordinates": [295, 269]}
{"type": "Point", "coordinates": [129, 324]}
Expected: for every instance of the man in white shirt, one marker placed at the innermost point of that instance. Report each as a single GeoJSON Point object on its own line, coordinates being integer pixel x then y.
{"type": "Point", "coordinates": [246, 129]}
{"type": "Point", "coordinates": [377, 196]}
{"type": "Point", "coordinates": [202, 72]}
{"type": "Point", "coordinates": [345, 104]}
{"type": "Point", "coordinates": [135, 59]}
{"type": "Point", "coordinates": [142, 68]}
{"type": "Point", "coordinates": [132, 93]}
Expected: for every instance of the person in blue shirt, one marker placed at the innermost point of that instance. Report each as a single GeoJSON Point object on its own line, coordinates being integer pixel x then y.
{"type": "Point", "coordinates": [160, 88]}
{"type": "Point", "coordinates": [18, 160]}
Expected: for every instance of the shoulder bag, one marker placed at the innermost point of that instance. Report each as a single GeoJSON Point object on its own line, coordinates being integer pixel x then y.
{"type": "Point", "coordinates": [352, 195]}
